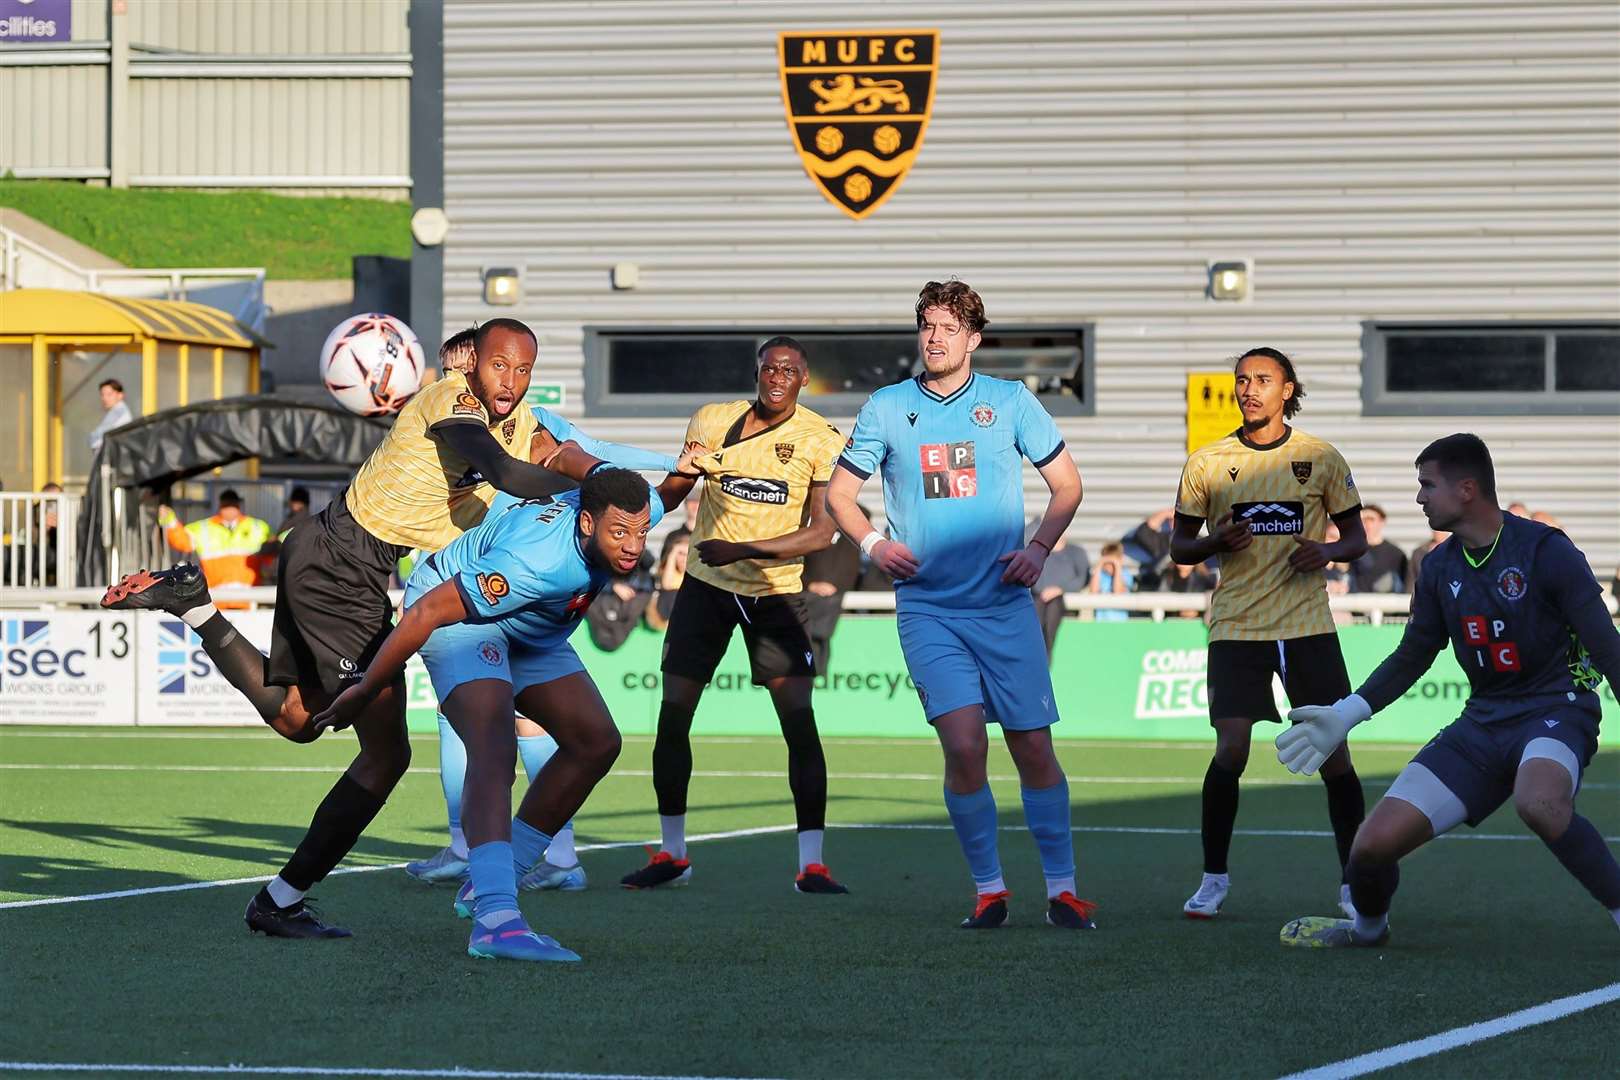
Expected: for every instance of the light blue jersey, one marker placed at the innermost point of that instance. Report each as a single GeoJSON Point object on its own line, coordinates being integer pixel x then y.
{"type": "Point", "coordinates": [525, 582]}
{"type": "Point", "coordinates": [953, 485]}
{"type": "Point", "coordinates": [625, 457]}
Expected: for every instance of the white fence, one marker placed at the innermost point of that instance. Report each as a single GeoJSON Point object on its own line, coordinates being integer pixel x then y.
{"type": "Point", "coordinates": [37, 531]}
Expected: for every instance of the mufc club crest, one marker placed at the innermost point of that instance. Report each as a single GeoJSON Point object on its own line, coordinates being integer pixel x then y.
{"type": "Point", "coordinates": [983, 414]}
{"type": "Point", "coordinates": [1302, 471]}
{"type": "Point", "coordinates": [784, 452]}
{"type": "Point", "coordinates": [857, 105]}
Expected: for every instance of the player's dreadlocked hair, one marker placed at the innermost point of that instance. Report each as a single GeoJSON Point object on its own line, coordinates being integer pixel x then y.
{"type": "Point", "coordinates": [613, 487]}
{"type": "Point", "coordinates": [457, 352]}
{"type": "Point", "coordinates": [955, 297]}
{"type": "Point", "coordinates": [1291, 407]}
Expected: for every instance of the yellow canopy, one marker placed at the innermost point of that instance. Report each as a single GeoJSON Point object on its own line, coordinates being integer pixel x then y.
{"type": "Point", "coordinates": [60, 314]}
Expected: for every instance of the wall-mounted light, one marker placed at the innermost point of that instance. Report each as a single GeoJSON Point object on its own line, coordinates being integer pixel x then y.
{"type": "Point", "coordinates": [503, 285]}
{"type": "Point", "coordinates": [626, 275]}
{"type": "Point", "coordinates": [1231, 281]}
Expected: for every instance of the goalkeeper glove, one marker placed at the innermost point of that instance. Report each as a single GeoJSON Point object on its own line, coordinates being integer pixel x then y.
{"type": "Point", "coordinates": [1317, 731]}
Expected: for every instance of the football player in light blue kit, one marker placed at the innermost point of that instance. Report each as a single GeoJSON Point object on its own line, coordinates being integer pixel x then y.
{"type": "Point", "coordinates": [491, 615]}
{"type": "Point", "coordinates": [951, 445]}
{"type": "Point", "coordinates": [560, 869]}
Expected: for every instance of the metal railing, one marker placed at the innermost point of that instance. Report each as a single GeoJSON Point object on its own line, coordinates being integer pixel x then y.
{"type": "Point", "coordinates": [236, 290]}
{"type": "Point", "coordinates": [37, 535]}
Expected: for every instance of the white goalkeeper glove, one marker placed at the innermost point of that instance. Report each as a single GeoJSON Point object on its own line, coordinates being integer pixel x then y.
{"type": "Point", "coordinates": [1317, 731]}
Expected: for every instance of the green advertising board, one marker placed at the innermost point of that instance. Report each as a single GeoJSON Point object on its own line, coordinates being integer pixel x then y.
{"type": "Point", "coordinates": [1122, 680]}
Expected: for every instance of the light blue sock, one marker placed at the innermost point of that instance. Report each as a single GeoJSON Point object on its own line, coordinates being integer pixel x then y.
{"type": "Point", "coordinates": [452, 773]}
{"type": "Point", "coordinates": [974, 817]}
{"type": "Point", "coordinates": [528, 846]}
{"type": "Point", "coordinates": [535, 750]}
{"type": "Point", "coordinates": [1046, 812]}
{"type": "Point", "coordinates": [494, 881]}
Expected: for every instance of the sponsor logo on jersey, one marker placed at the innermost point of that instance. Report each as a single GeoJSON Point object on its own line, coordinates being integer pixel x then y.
{"type": "Point", "coordinates": [470, 478]}
{"type": "Point", "coordinates": [849, 443]}
{"type": "Point", "coordinates": [1486, 635]}
{"type": "Point", "coordinates": [983, 414]}
{"type": "Point", "coordinates": [494, 587]}
{"type": "Point", "coordinates": [1302, 471]}
{"type": "Point", "coordinates": [1271, 518]}
{"type": "Point", "coordinates": [1349, 482]}
{"type": "Point", "coordinates": [577, 605]}
{"type": "Point", "coordinates": [949, 470]}
{"type": "Point", "coordinates": [784, 452]}
{"type": "Point", "coordinates": [467, 405]}
{"type": "Point", "coordinates": [857, 105]}
{"type": "Point", "coordinates": [750, 489]}
{"type": "Point", "coordinates": [1511, 583]}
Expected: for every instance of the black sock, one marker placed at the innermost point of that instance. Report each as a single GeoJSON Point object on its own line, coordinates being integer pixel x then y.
{"type": "Point", "coordinates": [1347, 806]}
{"type": "Point", "coordinates": [338, 822]}
{"type": "Point", "coordinates": [242, 665]}
{"type": "Point", "coordinates": [672, 758]}
{"type": "Point", "coordinates": [1372, 886]}
{"type": "Point", "coordinates": [807, 769]}
{"type": "Point", "coordinates": [1585, 854]}
{"type": "Point", "coordinates": [1220, 815]}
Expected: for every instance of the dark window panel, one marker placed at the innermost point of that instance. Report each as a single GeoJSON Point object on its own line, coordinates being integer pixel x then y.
{"type": "Point", "coordinates": [1465, 363]}
{"type": "Point", "coordinates": [681, 365]}
{"type": "Point", "coordinates": [1587, 362]}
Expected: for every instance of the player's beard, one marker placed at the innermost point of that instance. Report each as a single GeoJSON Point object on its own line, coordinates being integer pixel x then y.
{"type": "Point", "coordinates": [941, 374]}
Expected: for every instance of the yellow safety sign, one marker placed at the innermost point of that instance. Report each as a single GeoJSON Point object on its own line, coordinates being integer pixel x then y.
{"type": "Point", "coordinates": [1212, 409]}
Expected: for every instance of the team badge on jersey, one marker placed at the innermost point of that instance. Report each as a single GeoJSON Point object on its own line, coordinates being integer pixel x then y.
{"type": "Point", "coordinates": [489, 653]}
{"type": "Point", "coordinates": [784, 452]}
{"type": "Point", "coordinates": [509, 429]}
{"type": "Point", "coordinates": [494, 587]}
{"type": "Point", "coordinates": [1302, 471]}
{"type": "Point", "coordinates": [857, 105]}
{"type": "Point", "coordinates": [1511, 583]}
{"type": "Point", "coordinates": [983, 414]}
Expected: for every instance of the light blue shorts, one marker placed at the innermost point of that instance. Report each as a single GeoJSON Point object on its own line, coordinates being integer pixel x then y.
{"type": "Point", "coordinates": [465, 652]}
{"type": "Point", "coordinates": [997, 661]}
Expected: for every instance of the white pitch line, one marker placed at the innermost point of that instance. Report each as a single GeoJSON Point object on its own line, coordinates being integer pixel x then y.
{"type": "Point", "coordinates": [762, 830]}
{"type": "Point", "coordinates": [317, 1070]}
{"type": "Point", "coordinates": [190, 885]}
{"type": "Point", "coordinates": [1463, 1036]}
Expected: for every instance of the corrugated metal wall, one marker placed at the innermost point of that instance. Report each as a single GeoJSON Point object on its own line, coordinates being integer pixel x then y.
{"type": "Point", "coordinates": [257, 93]}
{"type": "Point", "coordinates": [1377, 160]}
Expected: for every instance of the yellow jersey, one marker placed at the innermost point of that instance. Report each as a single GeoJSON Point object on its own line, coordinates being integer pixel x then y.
{"type": "Point", "coordinates": [413, 490]}
{"type": "Point", "coordinates": [757, 488]}
{"type": "Point", "coordinates": [1282, 491]}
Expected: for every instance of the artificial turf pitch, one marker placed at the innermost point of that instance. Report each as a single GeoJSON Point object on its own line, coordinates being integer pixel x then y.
{"type": "Point", "coordinates": [738, 975]}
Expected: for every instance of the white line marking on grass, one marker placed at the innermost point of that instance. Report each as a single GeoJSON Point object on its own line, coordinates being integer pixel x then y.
{"type": "Point", "coordinates": [1463, 1036]}
{"type": "Point", "coordinates": [191, 885]}
{"type": "Point", "coordinates": [316, 1070]}
{"type": "Point", "coordinates": [1155, 830]}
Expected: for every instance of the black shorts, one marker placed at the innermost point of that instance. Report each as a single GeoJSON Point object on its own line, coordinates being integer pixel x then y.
{"type": "Point", "coordinates": [332, 609]}
{"type": "Point", "coordinates": [1479, 763]}
{"type": "Point", "coordinates": [1239, 673]}
{"type": "Point", "coordinates": [700, 630]}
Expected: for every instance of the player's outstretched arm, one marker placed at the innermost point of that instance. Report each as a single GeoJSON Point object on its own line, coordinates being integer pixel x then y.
{"type": "Point", "coordinates": [891, 556]}
{"type": "Point", "coordinates": [678, 484]}
{"type": "Point", "coordinates": [815, 535]}
{"type": "Point", "coordinates": [472, 440]}
{"type": "Point", "coordinates": [616, 454]}
{"type": "Point", "coordinates": [441, 606]}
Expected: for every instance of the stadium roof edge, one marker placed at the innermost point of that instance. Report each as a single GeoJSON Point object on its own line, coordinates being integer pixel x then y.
{"type": "Point", "coordinates": [70, 315]}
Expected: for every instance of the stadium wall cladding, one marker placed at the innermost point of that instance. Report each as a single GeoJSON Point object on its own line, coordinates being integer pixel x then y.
{"type": "Point", "coordinates": [1422, 197]}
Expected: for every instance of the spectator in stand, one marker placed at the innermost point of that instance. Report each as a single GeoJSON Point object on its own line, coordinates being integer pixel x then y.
{"type": "Point", "coordinates": [270, 554]}
{"type": "Point", "coordinates": [48, 532]}
{"type": "Point", "coordinates": [226, 545]}
{"type": "Point", "coordinates": [1336, 576]}
{"type": "Point", "coordinates": [1382, 568]}
{"type": "Point", "coordinates": [1546, 519]}
{"type": "Point", "coordinates": [1187, 578]}
{"type": "Point", "coordinates": [1111, 576]}
{"type": "Point", "coordinates": [1149, 545]}
{"type": "Point", "coordinates": [618, 608]}
{"type": "Point", "coordinates": [1067, 570]}
{"type": "Point", "coordinates": [671, 572]}
{"type": "Point", "coordinates": [828, 575]}
{"type": "Point", "coordinates": [1420, 553]}
{"type": "Point", "coordinates": [1518, 509]}
{"type": "Point", "coordinates": [681, 532]}
{"type": "Point", "coordinates": [116, 413]}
